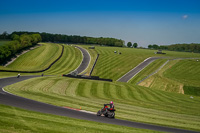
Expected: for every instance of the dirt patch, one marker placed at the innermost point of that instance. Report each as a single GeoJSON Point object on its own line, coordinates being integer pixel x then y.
{"type": "Point", "coordinates": [181, 89]}
{"type": "Point", "coordinates": [147, 82]}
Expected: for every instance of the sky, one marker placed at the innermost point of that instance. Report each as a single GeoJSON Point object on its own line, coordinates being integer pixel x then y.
{"type": "Point", "coordinates": [161, 22]}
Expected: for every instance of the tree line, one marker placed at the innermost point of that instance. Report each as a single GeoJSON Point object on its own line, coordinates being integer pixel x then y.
{"type": "Point", "coordinates": [16, 44]}
{"type": "Point", "coordinates": [193, 47]}
{"type": "Point", "coordinates": [60, 38]}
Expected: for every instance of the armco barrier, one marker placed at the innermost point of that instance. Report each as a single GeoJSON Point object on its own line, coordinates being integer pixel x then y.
{"type": "Point", "coordinates": [94, 64]}
{"type": "Point", "coordinates": [87, 77]}
{"type": "Point", "coordinates": [38, 70]}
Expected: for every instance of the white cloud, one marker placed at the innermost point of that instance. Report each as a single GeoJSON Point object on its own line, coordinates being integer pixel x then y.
{"type": "Point", "coordinates": [185, 16]}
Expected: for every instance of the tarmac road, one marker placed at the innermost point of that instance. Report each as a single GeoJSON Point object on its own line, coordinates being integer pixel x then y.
{"type": "Point", "coordinates": [86, 60]}
{"type": "Point", "coordinates": [16, 101]}
{"type": "Point", "coordinates": [137, 69]}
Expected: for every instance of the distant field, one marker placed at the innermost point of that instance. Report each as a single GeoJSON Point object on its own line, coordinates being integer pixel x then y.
{"type": "Point", "coordinates": [113, 65]}
{"type": "Point", "coordinates": [15, 120]}
{"type": "Point", "coordinates": [132, 102]}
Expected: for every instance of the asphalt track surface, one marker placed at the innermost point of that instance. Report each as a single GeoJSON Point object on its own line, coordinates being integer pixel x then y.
{"type": "Point", "coordinates": [137, 69]}
{"type": "Point", "coordinates": [85, 62]}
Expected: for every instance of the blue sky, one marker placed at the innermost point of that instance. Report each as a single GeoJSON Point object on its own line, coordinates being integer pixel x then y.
{"type": "Point", "coordinates": [146, 22]}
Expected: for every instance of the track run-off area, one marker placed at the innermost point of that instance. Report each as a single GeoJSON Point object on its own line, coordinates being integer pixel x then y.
{"type": "Point", "coordinates": [17, 101]}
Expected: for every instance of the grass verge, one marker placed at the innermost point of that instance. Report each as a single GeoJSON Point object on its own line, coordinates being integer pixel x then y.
{"type": "Point", "coordinates": [23, 121]}
{"type": "Point", "coordinates": [132, 102]}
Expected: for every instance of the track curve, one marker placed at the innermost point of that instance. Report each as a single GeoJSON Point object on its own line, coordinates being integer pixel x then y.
{"type": "Point", "coordinates": [17, 101]}
{"type": "Point", "coordinates": [86, 60]}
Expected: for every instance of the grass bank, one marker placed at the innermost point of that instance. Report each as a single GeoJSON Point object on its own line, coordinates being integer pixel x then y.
{"type": "Point", "coordinates": [114, 65]}
{"type": "Point", "coordinates": [22, 121]}
{"type": "Point", "coordinates": [132, 102]}
{"type": "Point", "coordinates": [181, 76]}
{"type": "Point", "coordinates": [70, 60]}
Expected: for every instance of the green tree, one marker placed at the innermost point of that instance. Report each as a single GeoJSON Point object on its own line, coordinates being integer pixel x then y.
{"type": "Point", "coordinates": [15, 37]}
{"type": "Point", "coordinates": [118, 44]}
{"type": "Point", "coordinates": [155, 46]}
{"type": "Point", "coordinates": [5, 35]}
{"type": "Point", "coordinates": [150, 46]}
{"type": "Point", "coordinates": [129, 44]}
{"type": "Point", "coordinates": [135, 45]}
{"type": "Point", "coordinates": [36, 38]}
{"type": "Point", "coordinates": [25, 40]}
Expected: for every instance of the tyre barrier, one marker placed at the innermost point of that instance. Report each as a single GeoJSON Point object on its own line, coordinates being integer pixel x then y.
{"type": "Point", "coordinates": [38, 70]}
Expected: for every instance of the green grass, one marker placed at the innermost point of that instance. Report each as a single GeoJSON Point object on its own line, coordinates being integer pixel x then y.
{"type": "Point", "coordinates": [37, 59]}
{"type": "Point", "coordinates": [191, 90]}
{"type": "Point", "coordinates": [176, 76]}
{"type": "Point", "coordinates": [70, 60]}
{"type": "Point", "coordinates": [185, 71]}
{"type": "Point", "coordinates": [15, 120]}
{"type": "Point", "coordinates": [132, 102]}
{"type": "Point", "coordinates": [151, 68]}
{"type": "Point", "coordinates": [113, 66]}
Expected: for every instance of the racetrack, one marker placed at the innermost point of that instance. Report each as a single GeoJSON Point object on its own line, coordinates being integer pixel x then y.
{"type": "Point", "coordinates": [13, 100]}
{"type": "Point", "coordinates": [85, 62]}
{"type": "Point", "coordinates": [17, 101]}
{"type": "Point", "coordinates": [137, 69]}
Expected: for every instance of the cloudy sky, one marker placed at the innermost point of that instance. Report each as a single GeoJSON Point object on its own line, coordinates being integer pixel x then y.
{"type": "Point", "coordinates": [146, 22]}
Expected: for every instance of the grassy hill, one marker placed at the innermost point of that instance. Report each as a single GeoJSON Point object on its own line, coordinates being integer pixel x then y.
{"type": "Point", "coordinates": [113, 65]}
{"type": "Point", "coordinates": [147, 102]}
{"type": "Point", "coordinates": [22, 121]}
{"type": "Point", "coordinates": [70, 60]}
{"type": "Point", "coordinates": [133, 103]}
{"type": "Point", "coordinates": [181, 76]}
{"type": "Point", "coordinates": [37, 59]}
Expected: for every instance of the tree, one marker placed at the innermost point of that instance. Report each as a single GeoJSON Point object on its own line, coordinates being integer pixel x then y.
{"type": "Point", "coordinates": [15, 37]}
{"type": "Point", "coordinates": [150, 46]}
{"type": "Point", "coordinates": [4, 35]}
{"type": "Point", "coordinates": [155, 46]}
{"type": "Point", "coordinates": [118, 44]}
{"type": "Point", "coordinates": [36, 38]}
{"type": "Point", "coordinates": [135, 45]}
{"type": "Point", "coordinates": [129, 44]}
{"type": "Point", "coordinates": [25, 40]}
